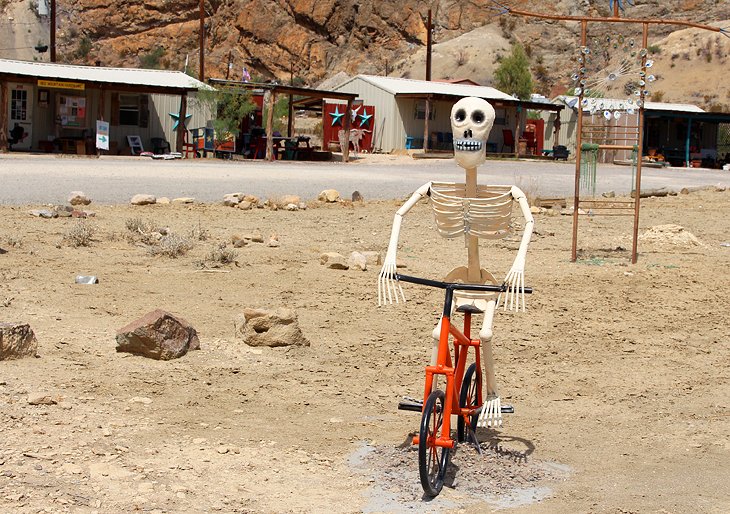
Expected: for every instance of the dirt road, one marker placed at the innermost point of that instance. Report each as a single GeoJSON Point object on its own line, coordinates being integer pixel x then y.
{"type": "Point", "coordinates": [618, 373]}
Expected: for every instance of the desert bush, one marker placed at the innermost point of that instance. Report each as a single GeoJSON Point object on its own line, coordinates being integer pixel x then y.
{"type": "Point", "coordinates": [199, 233]}
{"type": "Point", "coordinates": [171, 245]}
{"type": "Point", "coordinates": [221, 254]}
{"type": "Point", "coordinates": [138, 225]}
{"type": "Point", "coordinates": [80, 234]}
{"type": "Point", "coordinates": [530, 186]}
{"type": "Point", "coordinates": [657, 96]}
{"type": "Point", "coordinates": [15, 242]}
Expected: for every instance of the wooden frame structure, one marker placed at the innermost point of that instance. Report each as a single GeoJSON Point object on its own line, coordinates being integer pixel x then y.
{"type": "Point", "coordinates": [616, 18]}
{"type": "Point", "coordinates": [271, 91]}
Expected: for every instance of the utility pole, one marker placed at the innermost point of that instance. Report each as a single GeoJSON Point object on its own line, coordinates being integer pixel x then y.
{"type": "Point", "coordinates": [53, 30]}
{"type": "Point", "coordinates": [201, 72]}
{"type": "Point", "coordinates": [429, 42]}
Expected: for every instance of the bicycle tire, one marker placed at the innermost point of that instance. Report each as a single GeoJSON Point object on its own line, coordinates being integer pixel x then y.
{"type": "Point", "coordinates": [432, 459]}
{"type": "Point", "coordinates": [468, 397]}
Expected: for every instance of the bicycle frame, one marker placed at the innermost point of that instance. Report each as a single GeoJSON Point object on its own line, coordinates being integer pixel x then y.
{"type": "Point", "coordinates": [453, 371]}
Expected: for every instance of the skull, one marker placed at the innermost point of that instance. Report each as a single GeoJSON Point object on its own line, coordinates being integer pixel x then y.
{"type": "Point", "coordinates": [471, 121]}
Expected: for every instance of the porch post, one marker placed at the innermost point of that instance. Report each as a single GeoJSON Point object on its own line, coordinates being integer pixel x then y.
{"type": "Point", "coordinates": [687, 162]}
{"type": "Point", "coordinates": [426, 126]}
{"type": "Point", "coordinates": [269, 102]}
{"type": "Point", "coordinates": [347, 127]}
{"type": "Point", "coordinates": [181, 128]}
{"type": "Point", "coordinates": [3, 116]}
{"type": "Point", "coordinates": [100, 113]}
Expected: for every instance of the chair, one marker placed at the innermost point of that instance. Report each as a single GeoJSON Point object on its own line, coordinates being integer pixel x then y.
{"type": "Point", "coordinates": [189, 148]}
{"type": "Point", "coordinates": [531, 142]}
{"type": "Point", "coordinates": [508, 139]}
{"type": "Point", "coordinates": [160, 145]}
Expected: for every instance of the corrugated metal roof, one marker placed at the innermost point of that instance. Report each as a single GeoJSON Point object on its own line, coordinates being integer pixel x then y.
{"type": "Point", "coordinates": [130, 76]}
{"type": "Point", "coordinates": [398, 86]}
{"type": "Point", "coordinates": [614, 104]}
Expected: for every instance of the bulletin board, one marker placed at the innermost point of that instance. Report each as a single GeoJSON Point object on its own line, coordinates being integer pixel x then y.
{"type": "Point", "coordinates": [71, 111]}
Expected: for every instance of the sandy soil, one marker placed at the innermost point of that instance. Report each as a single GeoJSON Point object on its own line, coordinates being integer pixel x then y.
{"type": "Point", "coordinates": [618, 373]}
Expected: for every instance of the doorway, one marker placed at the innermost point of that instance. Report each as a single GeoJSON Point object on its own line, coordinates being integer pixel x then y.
{"type": "Point", "coordinates": [20, 119]}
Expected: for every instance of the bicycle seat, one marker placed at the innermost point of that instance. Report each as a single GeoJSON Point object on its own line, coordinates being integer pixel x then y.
{"type": "Point", "coordinates": [467, 307]}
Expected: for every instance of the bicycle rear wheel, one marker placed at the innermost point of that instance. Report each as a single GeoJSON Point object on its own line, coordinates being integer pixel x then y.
{"type": "Point", "coordinates": [432, 459]}
{"type": "Point", "coordinates": [468, 398]}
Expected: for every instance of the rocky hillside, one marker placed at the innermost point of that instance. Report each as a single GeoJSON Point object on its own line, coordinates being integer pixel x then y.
{"type": "Point", "coordinates": [314, 39]}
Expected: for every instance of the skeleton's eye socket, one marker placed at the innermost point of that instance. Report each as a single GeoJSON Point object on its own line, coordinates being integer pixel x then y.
{"type": "Point", "coordinates": [477, 117]}
{"type": "Point", "coordinates": [460, 115]}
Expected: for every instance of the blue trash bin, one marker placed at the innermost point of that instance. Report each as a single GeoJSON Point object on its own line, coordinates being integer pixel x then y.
{"type": "Point", "coordinates": [409, 142]}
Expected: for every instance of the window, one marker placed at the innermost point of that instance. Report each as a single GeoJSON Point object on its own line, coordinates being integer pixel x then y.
{"type": "Point", "coordinates": [18, 104]}
{"type": "Point", "coordinates": [129, 110]}
{"type": "Point", "coordinates": [420, 113]}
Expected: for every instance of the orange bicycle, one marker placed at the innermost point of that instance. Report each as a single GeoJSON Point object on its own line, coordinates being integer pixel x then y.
{"type": "Point", "coordinates": [463, 395]}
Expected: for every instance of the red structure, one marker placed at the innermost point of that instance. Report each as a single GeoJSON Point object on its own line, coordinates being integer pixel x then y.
{"type": "Point", "coordinates": [362, 118]}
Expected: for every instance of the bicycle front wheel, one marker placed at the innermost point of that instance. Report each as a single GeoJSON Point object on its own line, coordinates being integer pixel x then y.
{"type": "Point", "coordinates": [432, 459]}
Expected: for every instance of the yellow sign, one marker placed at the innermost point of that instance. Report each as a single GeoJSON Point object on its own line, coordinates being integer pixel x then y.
{"type": "Point", "coordinates": [78, 86]}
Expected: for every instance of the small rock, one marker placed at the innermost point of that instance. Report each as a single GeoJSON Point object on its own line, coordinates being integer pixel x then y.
{"type": "Point", "coordinates": [72, 469]}
{"type": "Point", "coordinates": [163, 200]}
{"type": "Point", "coordinates": [292, 207]}
{"type": "Point", "coordinates": [254, 200]}
{"type": "Point", "coordinates": [43, 213]}
{"type": "Point", "coordinates": [535, 209]}
{"type": "Point", "coordinates": [329, 196]}
{"type": "Point", "coordinates": [357, 261]}
{"type": "Point", "coordinates": [278, 327]}
{"type": "Point", "coordinates": [90, 214]}
{"type": "Point", "coordinates": [140, 399]}
{"type": "Point", "coordinates": [357, 197]}
{"type": "Point", "coordinates": [17, 340]}
{"type": "Point", "coordinates": [232, 199]}
{"type": "Point", "coordinates": [158, 335]}
{"type": "Point", "coordinates": [245, 205]}
{"type": "Point", "coordinates": [273, 241]}
{"type": "Point", "coordinates": [257, 237]}
{"type": "Point", "coordinates": [373, 258]}
{"type": "Point", "coordinates": [238, 241]}
{"type": "Point", "coordinates": [63, 213]}
{"type": "Point", "coordinates": [183, 199]}
{"type": "Point", "coordinates": [41, 399]}
{"type": "Point", "coordinates": [142, 199]}
{"type": "Point", "coordinates": [609, 194]}
{"type": "Point", "coordinates": [287, 199]}
{"type": "Point", "coordinates": [78, 214]}
{"type": "Point", "coordinates": [333, 260]}
{"type": "Point", "coordinates": [302, 206]}
{"type": "Point", "coordinates": [720, 189]}
{"type": "Point", "coordinates": [78, 198]}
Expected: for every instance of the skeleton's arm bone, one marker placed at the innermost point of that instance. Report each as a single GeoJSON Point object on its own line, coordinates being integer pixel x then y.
{"type": "Point", "coordinates": [387, 284]}
{"type": "Point", "coordinates": [515, 278]}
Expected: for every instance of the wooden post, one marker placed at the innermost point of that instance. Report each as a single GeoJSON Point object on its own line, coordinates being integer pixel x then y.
{"type": "Point", "coordinates": [269, 101]}
{"type": "Point", "coordinates": [201, 71]}
{"type": "Point", "coordinates": [346, 128]}
{"type": "Point", "coordinates": [473, 272]}
{"type": "Point", "coordinates": [100, 114]}
{"type": "Point", "coordinates": [53, 30]}
{"type": "Point", "coordinates": [640, 153]}
{"type": "Point", "coordinates": [426, 126]}
{"type": "Point", "coordinates": [429, 43]}
{"type": "Point", "coordinates": [578, 143]}
{"type": "Point", "coordinates": [181, 128]}
{"type": "Point", "coordinates": [3, 116]}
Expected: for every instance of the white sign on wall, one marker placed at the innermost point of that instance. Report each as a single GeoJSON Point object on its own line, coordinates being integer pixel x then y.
{"type": "Point", "coordinates": [102, 135]}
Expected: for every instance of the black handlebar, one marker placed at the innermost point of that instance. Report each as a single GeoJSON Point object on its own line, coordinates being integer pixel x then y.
{"type": "Point", "coordinates": [455, 286]}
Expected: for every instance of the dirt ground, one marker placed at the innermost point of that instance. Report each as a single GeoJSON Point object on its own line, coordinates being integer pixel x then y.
{"type": "Point", "coordinates": [618, 373]}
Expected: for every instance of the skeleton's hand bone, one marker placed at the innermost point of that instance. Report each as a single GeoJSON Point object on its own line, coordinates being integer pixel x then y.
{"type": "Point", "coordinates": [388, 286]}
{"type": "Point", "coordinates": [515, 294]}
{"type": "Point", "coordinates": [491, 415]}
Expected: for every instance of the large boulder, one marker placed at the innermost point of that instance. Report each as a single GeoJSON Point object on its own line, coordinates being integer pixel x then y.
{"type": "Point", "coordinates": [17, 340]}
{"type": "Point", "coordinates": [158, 335]}
{"type": "Point", "coordinates": [329, 196]}
{"type": "Point", "coordinates": [143, 199]}
{"type": "Point", "coordinates": [278, 327]}
{"type": "Point", "coordinates": [78, 198]}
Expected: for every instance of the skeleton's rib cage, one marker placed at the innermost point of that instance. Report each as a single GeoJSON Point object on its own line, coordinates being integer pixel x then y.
{"type": "Point", "coordinates": [487, 216]}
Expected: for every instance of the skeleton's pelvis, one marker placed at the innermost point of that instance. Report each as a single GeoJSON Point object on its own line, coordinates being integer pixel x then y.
{"type": "Point", "coordinates": [476, 298]}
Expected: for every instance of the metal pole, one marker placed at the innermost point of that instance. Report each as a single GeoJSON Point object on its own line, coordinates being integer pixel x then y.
{"type": "Point", "coordinates": [640, 153]}
{"type": "Point", "coordinates": [578, 143]}
{"type": "Point", "coordinates": [3, 116]}
{"type": "Point", "coordinates": [53, 30]}
{"type": "Point", "coordinates": [201, 72]}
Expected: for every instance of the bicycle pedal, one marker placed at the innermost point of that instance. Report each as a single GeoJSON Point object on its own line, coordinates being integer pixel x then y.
{"type": "Point", "coordinates": [410, 404]}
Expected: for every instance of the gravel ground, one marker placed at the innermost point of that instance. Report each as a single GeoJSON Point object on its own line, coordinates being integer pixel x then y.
{"type": "Point", "coordinates": [27, 179]}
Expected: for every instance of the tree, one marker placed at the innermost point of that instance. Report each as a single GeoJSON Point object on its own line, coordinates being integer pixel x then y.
{"type": "Point", "coordinates": [230, 107]}
{"type": "Point", "coordinates": [513, 74]}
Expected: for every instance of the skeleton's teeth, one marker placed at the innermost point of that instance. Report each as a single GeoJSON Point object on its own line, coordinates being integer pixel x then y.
{"type": "Point", "coordinates": [467, 145]}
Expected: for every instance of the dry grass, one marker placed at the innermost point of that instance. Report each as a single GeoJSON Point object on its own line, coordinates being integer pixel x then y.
{"type": "Point", "coordinates": [172, 245]}
{"type": "Point", "coordinates": [80, 234]}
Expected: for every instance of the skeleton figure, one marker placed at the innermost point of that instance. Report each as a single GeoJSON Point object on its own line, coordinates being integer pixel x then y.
{"type": "Point", "coordinates": [474, 211]}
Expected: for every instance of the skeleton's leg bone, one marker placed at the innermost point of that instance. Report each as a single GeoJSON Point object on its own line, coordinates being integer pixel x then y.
{"type": "Point", "coordinates": [491, 414]}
